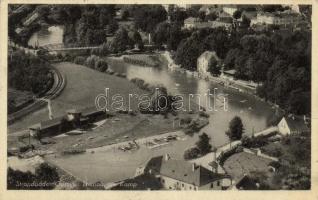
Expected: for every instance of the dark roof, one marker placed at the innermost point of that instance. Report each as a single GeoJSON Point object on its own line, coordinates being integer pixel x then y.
{"type": "Point", "coordinates": [52, 122]}
{"type": "Point", "coordinates": [154, 164]}
{"type": "Point", "coordinates": [183, 171]}
{"type": "Point", "coordinates": [296, 123]}
{"type": "Point", "coordinates": [246, 183]}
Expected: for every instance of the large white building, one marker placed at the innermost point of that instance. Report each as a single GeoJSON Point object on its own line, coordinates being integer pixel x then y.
{"type": "Point", "coordinates": [204, 61]}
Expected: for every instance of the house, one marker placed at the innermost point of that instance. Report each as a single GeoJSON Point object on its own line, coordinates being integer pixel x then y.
{"type": "Point", "coordinates": [182, 175]}
{"type": "Point", "coordinates": [228, 74]}
{"type": "Point", "coordinates": [191, 22]}
{"type": "Point", "coordinates": [293, 125]}
{"type": "Point", "coordinates": [284, 18]}
{"type": "Point", "coordinates": [230, 9]}
{"type": "Point", "coordinates": [204, 62]}
{"type": "Point", "coordinates": [218, 23]}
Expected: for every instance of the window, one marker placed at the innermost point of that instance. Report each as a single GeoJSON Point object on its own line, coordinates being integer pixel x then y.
{"type": "Point", "coordinates": [182, 185]}
{"type": "Point", "coordinates": [218, 183]}
{"type": "Point", "coordinates": [162, 180]}
{"type": "Point", "coordinates": [211, 185]}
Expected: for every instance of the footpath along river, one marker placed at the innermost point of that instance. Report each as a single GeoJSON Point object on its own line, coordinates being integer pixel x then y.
{"type": "Point", "coordinates": [108, 165]}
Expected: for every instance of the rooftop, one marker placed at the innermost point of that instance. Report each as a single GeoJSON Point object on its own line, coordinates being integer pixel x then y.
{"type": "Point", "coordinates": [208, 55]}
{"type": "Point", "coordinates": [183, 171]}
{"type": "Point", "coordinates": [296, 123]}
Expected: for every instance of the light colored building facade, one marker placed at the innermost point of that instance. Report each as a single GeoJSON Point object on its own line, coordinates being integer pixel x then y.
{"type": "Point", "coordinates": [183, 175]}
{"type": "Point", "coordinates": [281, 18]}
{"type": "Point", "coordinates": [204, 62]}
{"type": "Point", "coordinates": [230, 9]}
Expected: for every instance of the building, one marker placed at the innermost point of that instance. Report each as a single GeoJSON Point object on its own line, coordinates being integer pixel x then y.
{"type": "Point", "coordinates": [228, 74]}
{"type": "Point", "coordinates": [293, 125]}
{"type": "Point", "coordinates": [183, 175]}
{"type": "Point", "coordinates": [284, 18]}
{"type": "Point", "coordinates": [204, 62]}
{"type": "Point", "coordinates": [71, 120]}
{"type": "Point", "coordinates": [191, 22]}
{"type": "Point", "coordinates": [230, 9]}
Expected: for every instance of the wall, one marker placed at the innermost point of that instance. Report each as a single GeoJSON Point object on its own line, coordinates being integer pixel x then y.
{"type": "Point", "coordinates": [172, 184]}
{"type": "Point", "coordinates": [283, 127]}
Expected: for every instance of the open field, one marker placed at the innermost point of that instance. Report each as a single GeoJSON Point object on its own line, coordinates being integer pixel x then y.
{"type": "Point", "coordinates": [82, 86]}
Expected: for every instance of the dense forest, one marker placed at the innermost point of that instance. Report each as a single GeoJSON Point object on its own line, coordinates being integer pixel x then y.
{"type": "Point", "coordinates": [280, 61]}
{"type": "Point", "coordinates": [28, 73]}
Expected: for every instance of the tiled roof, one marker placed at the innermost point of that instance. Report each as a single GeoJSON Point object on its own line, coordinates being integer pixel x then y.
{"type": "Point", "coordinates": [183, 171]}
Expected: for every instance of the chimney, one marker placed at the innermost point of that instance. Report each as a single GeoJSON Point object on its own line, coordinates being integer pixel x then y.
{"type": "Point", "coordinates": [167, 157]}
{"type": "Point", "coordinates": [193, 167]}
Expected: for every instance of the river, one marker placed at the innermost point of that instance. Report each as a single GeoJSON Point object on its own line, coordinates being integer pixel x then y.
{"type": "Point", "coordinates": [50, 35]}
{"type": "Point", "coordinates": [113, 165]}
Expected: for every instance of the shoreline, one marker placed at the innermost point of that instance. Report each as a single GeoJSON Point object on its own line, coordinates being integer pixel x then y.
{"type": "Point", "coordinates": [174, 67]}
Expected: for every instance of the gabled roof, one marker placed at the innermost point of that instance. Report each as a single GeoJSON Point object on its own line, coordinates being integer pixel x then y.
{"type": "Point", "coordinates": [183, 171]}
{"type": "Point", "coordinates": [296, 124]}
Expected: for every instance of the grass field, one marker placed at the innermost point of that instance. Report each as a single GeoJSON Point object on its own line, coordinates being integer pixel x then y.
{"type": "Point", "coordinates": [82, 86]}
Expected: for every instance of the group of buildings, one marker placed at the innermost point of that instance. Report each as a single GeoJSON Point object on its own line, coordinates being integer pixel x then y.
{"type": "Point", "coordinates": [73, 119]}
{"type": "Point", "coordinates": [290, 18]}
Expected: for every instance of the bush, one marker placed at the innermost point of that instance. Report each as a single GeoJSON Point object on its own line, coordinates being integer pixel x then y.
{"type": "Point", "coordinates": [101, 65]}
{"type": "Point", "coordinates": [191, 153]}
{"type": "Point", "coordinates": [80, 60]}
{"type": "Point", "coordinates": [91, 60]}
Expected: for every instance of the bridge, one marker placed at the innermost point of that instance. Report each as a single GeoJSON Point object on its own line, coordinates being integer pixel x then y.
{"type": "Point", "coordinates": [61, 47]}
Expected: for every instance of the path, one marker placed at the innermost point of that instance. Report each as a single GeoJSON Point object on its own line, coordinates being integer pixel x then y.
{"type": "Point", "coordinates": [205, 160]}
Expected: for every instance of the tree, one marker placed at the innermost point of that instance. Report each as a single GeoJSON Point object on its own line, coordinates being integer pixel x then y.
{"type": "Point", "coordinates": [236, 129]}
{"type": "Point", "coordinates": [188, 52]}
{"type": "Point", "coordinates": [46, 174]}
{"type": "Point", "coordinates": [237, 14]}
{"type": "Point", "coordinates": [213, 67]}
{"type": "Point", "coordinates": [147, 17]}
{"type": "Point", "coordinates": [204, 144]}
{"type": "Point", "coordinates": [101, 65]}
{"type": "Point", "coordinates": [174, 37]}
{"type": "Point", "coordinates": [161, 34]}
{"type": "Point", "coordinates": [120, 41]}
{"type": "Point", "coordinates": [137, 40]}
{"type": "Point", "coordinates": [124, 14]}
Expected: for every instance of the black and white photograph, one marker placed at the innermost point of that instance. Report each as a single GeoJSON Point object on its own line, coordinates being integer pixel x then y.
{"type": "Point", "coordinates": [159, 97]}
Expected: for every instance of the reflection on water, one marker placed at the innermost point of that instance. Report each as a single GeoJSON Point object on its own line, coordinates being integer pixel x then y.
{"type": "Point", "coordinates": [51, 35]}
{"type": "Point", "coordinates": [254, 113]}
{"type": "Point", "coordinates": [114, 165]}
